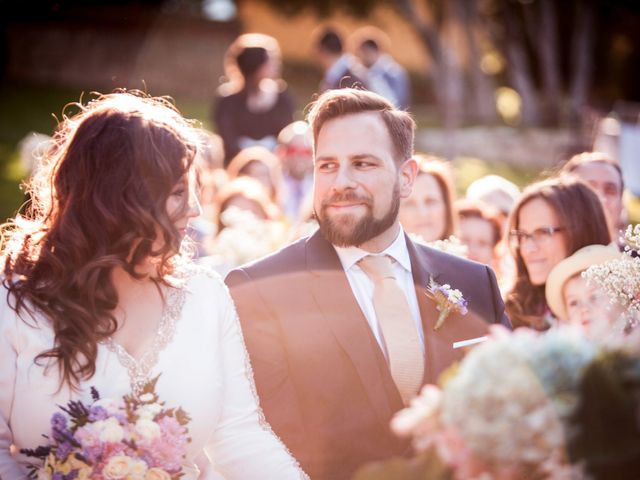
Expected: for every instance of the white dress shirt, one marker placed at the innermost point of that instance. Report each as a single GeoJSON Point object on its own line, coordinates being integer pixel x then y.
{"type": "Point", "coordinates": [362, 285]}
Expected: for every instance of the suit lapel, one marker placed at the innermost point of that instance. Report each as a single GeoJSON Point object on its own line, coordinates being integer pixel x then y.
{"type": "Point", "coordinates": [421, 270]}
{"type": "Point", "coordinates": [439, 351]}
{"type": "Point", "coordinates": [334, 298]}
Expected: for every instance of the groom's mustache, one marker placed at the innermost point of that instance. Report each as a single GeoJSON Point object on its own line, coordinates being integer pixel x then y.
{"type": "Point", "coordinates": [347, 197]}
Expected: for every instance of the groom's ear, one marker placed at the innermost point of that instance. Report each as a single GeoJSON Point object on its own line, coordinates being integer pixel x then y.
{"type": "Point", "coordinates": [406, 176]}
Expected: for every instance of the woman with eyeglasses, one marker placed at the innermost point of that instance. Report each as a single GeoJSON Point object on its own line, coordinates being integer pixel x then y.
{"type": "Point", "coordinates": [553, 219]}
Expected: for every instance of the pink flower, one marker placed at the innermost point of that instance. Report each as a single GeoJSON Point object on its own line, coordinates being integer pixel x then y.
{"type": "Point", "coordinates": [168, 450]}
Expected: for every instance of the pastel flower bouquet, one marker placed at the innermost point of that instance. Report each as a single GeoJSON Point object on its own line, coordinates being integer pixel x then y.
{"type": "Point", "coordinates": [136, 438]}
{"type": "Point", "coordinates": [525, 405]}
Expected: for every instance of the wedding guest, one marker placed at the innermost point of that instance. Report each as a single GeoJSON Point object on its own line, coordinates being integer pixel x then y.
{"type": "Point", "coordinates": [428, 211]}
{"type": "Point", "coordinates": [261, 165]}
{"type": "Point", "coordinates": [496, 191]}
{"type": "Point", "coordinates": [244, 193]}
{"type": "Point", "coordinates": [210, 177]}
{"type": "Point", "coordinates": [340, 69]}
{"type": "Point", "coordinates": [572, 298]}
{"type": "Point", "coordinates": [604, 175]}
{"type": "Point", "coordinates": [254, 104]}
{"type": "Point", "coordinates": [296, 157]}
{"type": "Point", "coordinates": [100, 293]}
{"type": "Point", "coordinates": [552, 220]}
{"type": "Point", "coordinates": [480, 229]}
{"type": "Point", "coordinates": [339, 326]}
{"type": "Point", "coordinates": [384, 75]}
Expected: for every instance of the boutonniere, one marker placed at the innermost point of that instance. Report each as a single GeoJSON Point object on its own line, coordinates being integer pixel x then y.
{"type": "Point", "coordinates": [448, 300]}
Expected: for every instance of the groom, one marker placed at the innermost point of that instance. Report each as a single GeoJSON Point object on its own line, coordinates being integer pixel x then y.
{"type": "Point", "coordinates": [339, 326]}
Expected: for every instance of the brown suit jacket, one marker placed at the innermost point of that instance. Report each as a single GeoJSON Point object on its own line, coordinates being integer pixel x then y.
{"type": "Point", "coordinates": [323, 381]}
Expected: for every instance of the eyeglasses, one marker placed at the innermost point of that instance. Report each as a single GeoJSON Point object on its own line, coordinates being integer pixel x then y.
{"type": "Point", "coordinates": [539, 236]}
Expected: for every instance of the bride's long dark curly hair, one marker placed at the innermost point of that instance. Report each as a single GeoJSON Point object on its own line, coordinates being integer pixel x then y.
{"type": "Point", "coordinates": [98, 201]}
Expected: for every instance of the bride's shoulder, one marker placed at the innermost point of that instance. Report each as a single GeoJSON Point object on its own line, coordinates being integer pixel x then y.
{"type": "Point", "coordinates": [203, 280]}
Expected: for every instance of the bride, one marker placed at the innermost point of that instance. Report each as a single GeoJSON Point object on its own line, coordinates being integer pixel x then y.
{"type": "Point", "coordinates": [99, 294]}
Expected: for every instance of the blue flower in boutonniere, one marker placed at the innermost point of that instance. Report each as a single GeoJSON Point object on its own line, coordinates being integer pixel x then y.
{"type": "Point", "coordinates": [448, 300]}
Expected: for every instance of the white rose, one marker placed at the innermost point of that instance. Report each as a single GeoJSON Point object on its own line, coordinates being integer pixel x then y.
{"type": "Point", "coordinates": [146, 397]}
{"type": "Point", "coordinates": [138, 470]}
{"type": "Point", "coordinates": [148, 412]}
{"type": "Point", "coordinates": [117, 467]}
{"type": "Point", "coordinates": [147, 429]}
{"type": "Point", "coordinates": [110, 430]}
{"type": "Point", "coordinates": [157, 474]}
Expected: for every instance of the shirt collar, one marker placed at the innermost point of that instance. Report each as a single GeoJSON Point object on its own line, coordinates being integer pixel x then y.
{"type": "Point", "coordinates": [349, 256]}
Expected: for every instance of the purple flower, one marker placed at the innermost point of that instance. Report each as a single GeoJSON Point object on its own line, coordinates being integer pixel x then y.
{"type": "Point", "coordinates": [58, 421]}
{"type": "Point", "coordinates": [73, 474]}
{"type": "Point", "coordinates": [63, 450]}
{"type": "Point", "coordinates": [98, 413]}
{"type": "Point", "coordinates": [57, 476]}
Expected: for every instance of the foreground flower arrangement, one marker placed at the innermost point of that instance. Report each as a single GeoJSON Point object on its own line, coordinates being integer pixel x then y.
{"type": "Point", "coordinates": [526, 405]}
{"type": "Point", "coordinates": [620, 278]}
{"type": "Point", "coordinates": [136, 438]}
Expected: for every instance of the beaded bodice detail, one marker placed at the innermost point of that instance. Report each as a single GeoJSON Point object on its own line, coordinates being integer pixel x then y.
{"type": "Point", "coordinates": [139, 369]}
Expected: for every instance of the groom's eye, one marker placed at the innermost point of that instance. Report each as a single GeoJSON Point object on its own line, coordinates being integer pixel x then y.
{"type": "Point", "coordinates": [363, 164]}
{"type": "Point", "coordinates": [326, 166]}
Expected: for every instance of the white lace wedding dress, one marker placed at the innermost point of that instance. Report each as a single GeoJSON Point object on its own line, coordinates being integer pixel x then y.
{"type": "Point", "coordinates": [204, 368]}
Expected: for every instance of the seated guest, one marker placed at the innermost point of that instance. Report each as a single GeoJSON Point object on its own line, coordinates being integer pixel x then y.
{"type": "Point", "coordinates": [210, 177]}
{"type": "Point", "coordinates": [428, 211]}
{"type": "Point", "coordinates": [245, 193]}
{"type": "Point", "coordinates": [260, 164]}
{"type": "Point", "coordinates": [552, 220]}
{"type": "Point", "coordinates": [572, 298]}
{"type": "Point", "coordinates": [496, 191]}
{"type": "Point", "coordinates": [254, 104]}
{"type": "Point", "coordinates": [603, 174]}
{"type": "Point", "coordinates": [296, 158]}
{"type": "Point", "coordinates": [480, 230]}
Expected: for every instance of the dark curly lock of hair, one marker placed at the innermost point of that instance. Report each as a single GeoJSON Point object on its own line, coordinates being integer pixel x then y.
{"type": "Point", "coordinates": [98, 202]}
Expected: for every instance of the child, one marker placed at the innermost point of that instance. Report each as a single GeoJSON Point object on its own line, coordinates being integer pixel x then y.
{"type": "Point", "coordinates": [574, 300]}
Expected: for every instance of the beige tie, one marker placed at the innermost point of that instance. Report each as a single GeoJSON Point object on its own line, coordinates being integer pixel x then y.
{"type": "Point", "coordinates": [398, 327]}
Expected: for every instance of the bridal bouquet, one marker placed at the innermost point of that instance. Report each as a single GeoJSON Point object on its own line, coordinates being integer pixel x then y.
{"type": "Point", "coordinates": [136, 438]}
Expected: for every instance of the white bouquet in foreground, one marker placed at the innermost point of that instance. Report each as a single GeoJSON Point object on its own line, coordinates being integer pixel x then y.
{"type": "Point", "coordinates": [620, 278]}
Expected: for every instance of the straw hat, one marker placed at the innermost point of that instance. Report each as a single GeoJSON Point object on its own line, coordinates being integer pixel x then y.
{"type": "Point", "coordinates": [572, 265]}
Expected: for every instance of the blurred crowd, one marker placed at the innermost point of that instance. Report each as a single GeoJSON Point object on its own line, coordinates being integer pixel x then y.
{"type": "Point", "coordinates": [256, 180]}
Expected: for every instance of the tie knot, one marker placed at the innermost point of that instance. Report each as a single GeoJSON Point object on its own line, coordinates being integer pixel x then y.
{"type": "Point", "coordinates": [377, 267]}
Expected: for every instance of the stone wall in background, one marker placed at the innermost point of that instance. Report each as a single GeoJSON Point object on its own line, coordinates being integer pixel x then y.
{"type": "Point", "coordinates": [529, 148]}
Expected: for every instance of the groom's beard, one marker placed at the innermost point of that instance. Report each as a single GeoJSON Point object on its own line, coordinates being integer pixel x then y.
{"type": "Point", "coordinates": [348, 231]}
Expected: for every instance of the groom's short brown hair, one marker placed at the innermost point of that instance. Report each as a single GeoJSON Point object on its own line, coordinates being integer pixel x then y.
{"type": "Point", "coordinates": [346, 101]}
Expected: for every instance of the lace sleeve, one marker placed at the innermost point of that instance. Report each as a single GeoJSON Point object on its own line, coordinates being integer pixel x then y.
{"type": "Point", "coordinates": [9, 468]}
{"type": "Point", "coordinates": [244, 446]}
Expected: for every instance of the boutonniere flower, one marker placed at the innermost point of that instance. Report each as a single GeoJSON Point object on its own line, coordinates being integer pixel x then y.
{"type": "Point", "coordinates": [448, 300]}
